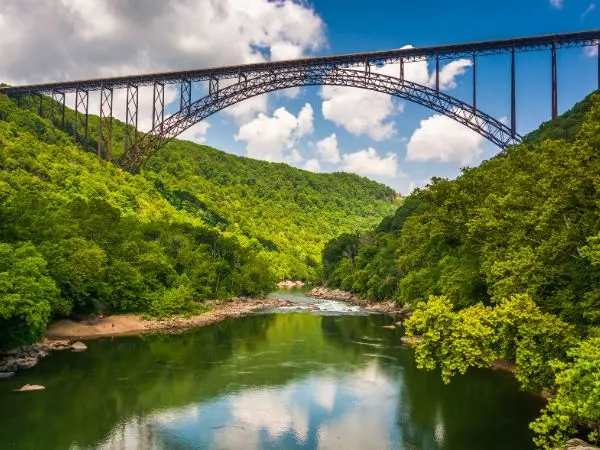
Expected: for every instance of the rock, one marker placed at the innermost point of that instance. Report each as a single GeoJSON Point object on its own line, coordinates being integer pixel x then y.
{"type": "Point", "coordinates": [577, 444]}
{"type": "Point", "coordinates": [30, 387]}
{"type": "Point", "coordinates": [288, 284]}
{"type": "Point", "coordinates": [27, 362]}
{"type": "Point", "coordinates": [389, 327]}
{"type": "Point", "coordinates": [410, 340]}
{"type": "Point", "coordinates": [78, 346]}
{"type": "Point", "coordinates": [4, 375]}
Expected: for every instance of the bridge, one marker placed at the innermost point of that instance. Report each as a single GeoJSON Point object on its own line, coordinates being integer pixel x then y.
{"type": "Point", "coordinates": [232, 84]}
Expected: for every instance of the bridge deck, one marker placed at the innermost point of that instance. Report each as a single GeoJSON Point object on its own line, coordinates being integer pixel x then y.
{"type": "Point", "coordinates": [535, 43]}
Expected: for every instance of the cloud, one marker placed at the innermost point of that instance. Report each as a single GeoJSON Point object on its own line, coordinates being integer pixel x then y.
{"type": "Point", "coordinates": [591, 51]}
{"type": "Point", "coordinates": [368, 162]}
{"type": "Point", "coordinates": [196, 133]}
{"type": "Point", "coordinates": [591, 7]}
{"type": "Point", "coordinates": [101, 38]}
{"type": "Point", "coordinates": [269, 138]}
{"type": "Point", "coordinates": [327, 149]}
{"type": "Point", "coordinates": [312, 165]}
{"type": "Point", "coordinates": [361, 111]}
{"type": "Point", "coordinates": [439, 137]}
{"type": "Point", "coordinates": [557, 3]}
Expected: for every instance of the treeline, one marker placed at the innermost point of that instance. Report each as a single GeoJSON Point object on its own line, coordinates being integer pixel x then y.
{"type": "Point", "coordinates": [525, 223]}
{"type": "Point", "coordinates": [78, 235]}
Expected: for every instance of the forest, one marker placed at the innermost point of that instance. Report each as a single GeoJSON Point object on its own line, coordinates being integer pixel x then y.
{"type": "Point", "coordinates": [79, 236]}
{"type": "Point", "coordinates": [501, 263]}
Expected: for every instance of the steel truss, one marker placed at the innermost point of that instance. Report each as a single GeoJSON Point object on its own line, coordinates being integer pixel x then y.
{"type": "Point", "coordinates": [58, 99]}
{"type": "Point", "coordinates": [131, 119]}
{"type": "Point", "coordinates": [158, 105]}
{"type": "Point", "coordinates": [487, 126]}
{"type": "Point", "coordinates": [406, 55]}
{"type": "Point", "coordinates": [81, 115]}
{"type": "Point", "coordinates": [105, 124]}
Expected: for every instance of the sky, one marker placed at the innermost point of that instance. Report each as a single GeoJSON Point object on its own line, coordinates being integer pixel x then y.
{"type": "Point", "coordinates": [321, 129]}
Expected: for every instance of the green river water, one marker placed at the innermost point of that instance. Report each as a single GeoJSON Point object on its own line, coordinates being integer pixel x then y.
{"type": "Point", "coordinates": [328, 379]}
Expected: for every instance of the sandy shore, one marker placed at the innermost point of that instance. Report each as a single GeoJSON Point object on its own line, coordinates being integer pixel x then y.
{"type": "Point", "coordinates": [134, 324]}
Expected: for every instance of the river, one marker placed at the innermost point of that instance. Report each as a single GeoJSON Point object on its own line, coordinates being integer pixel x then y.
{"type": "Point", "coordinates": [334, 378]}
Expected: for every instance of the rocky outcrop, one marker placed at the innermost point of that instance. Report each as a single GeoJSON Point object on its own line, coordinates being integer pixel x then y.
{"type": "Point", "coordinates": [334, 294]}
{"type": "Point", "coordinates": [577, 444]}
{"type": "Point", "coordinates": [30, 387]}
{"type": "Point", "coordinates": [28, 356]}
{"type": "Point", "coordinates": [288, 284]}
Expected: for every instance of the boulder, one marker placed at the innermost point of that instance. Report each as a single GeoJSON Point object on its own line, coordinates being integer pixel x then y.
{"type": "Point", "coordinates": [26, 362]}
{"type": "Point", "coordinates": [30, 387]}
{"type": "Point", "coordinates": [577, 444]}
{"type": "Point", "coordinates": [78, 346]}
{"type": "Point", "coordinates": [410, 340]}
{"type": "Point", "coordinates": [4, 375]}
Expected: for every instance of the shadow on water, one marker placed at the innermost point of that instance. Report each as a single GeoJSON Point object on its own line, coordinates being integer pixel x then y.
{"type": "Point", "coordinates": [295, 380]}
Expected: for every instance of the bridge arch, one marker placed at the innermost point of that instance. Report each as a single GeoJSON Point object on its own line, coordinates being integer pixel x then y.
{"type": "Point", "coordinates": [218, 99]}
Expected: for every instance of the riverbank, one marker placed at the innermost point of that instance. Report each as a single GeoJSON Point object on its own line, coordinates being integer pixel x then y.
{"type": "Point", "coordinates": [61, 334]}
{"type": "Point", "coordinates": [385, 307]}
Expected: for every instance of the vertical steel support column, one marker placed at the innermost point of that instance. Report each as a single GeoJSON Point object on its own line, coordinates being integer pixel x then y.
{"type": "Point", "coordinates": [598, 55]}
{"type": "Point", "coordinates": [437, 74]}
{"type": "Point", "coordinates": [402, 69]}
{"type": "Point", "coordinates": [213, 87]}
{"type": "Point", "coordinates": [58, 97]}
{"type": "Point", "coordinates": [513, 95]}
{"type": "Point", "coordinates": [105, 123]}
{"type": "Point", "coordinates": [131, 118]}
{"type": "Point", "coordinates": [158, 106]}
{"type": "Point", "coordinates": [185, 95]}
{"type": "Point", "coordinates": [554, 83]}
{"type": "Point", "coordinates": [81, 117]}
{"type": "Point", "coordinates": [474, 82]}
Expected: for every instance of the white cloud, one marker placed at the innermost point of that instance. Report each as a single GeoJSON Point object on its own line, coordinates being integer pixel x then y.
{"type": "Point", "coordinates": [361, 111]}
{"type": "Point", "coordinates": [269, 138]}
{"type": "Point", "coordinates": [196, 133]}
{"type": "Point", "coordinates": [591, 51]}
{"type": "Point", "coordinates": [368, 162]}
{"type": "Point", "coordinates": [101, 38]}
{"type": "Point", "coordinates": [442, 138]}
{"type": "Point", "coordinates": [327, 149]}
{"type": "Point", "coordinates": [312, 165]}
{"type": "Point", "coordinates": [591, 7]}
{"type": "Point", "coordinates": [557, 3]}
{"type": "Point", "coordinates": [450, 72]}
{"type": "Point", "coordinates": [295, 157]}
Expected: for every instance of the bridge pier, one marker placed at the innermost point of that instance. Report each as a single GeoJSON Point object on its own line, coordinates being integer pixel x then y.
{"type": "Point", "coordinates": [81, 115]}
{"type": "Point", "coordinates": [185, 99]}
{"type": "Point", "coordinates": [474, 82]}
{"type": "Point", "coordinates": [105, 123]}
{"type": "Point", "coordinates": [437, 73]}
{"type": "Point", "coordinates": [158, 105]}
{"type": "Point", "coordinates": [554, 83]}
{"type": "Point", "coordinates": [131, 118]}
{"type": "Point", "coordinates": [513, 95]}
{"type": "Point", "coordinates": [58, 97]}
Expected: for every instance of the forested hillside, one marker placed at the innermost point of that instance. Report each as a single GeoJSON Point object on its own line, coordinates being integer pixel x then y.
{"type": "Point", "coordinates": [79, 235]}
{"type": "Point", "coordinates": [503, 262]}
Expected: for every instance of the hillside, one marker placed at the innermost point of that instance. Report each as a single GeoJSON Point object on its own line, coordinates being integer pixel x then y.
{"type": "Point", "coordinates": [502, 263]}
{"type": "Point", "coordinates": [78, 235]}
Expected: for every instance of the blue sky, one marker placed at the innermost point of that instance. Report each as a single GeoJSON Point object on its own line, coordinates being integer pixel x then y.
{"type": "Point", "coordinates": [398, 143]}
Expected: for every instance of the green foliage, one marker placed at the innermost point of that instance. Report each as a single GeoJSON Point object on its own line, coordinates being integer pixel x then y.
{"type": "Point", "coordinates": [509, 256]}
{"type": "Point", "coordinates": [197, 224]}
{"type": "Point", "coordinates": [576, 403]}
{"type": "Point", "coordinates": [27, 294]}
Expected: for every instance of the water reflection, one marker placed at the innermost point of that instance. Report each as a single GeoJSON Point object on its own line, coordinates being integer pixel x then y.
{"type": "Point", "coordinates": [295, 380]}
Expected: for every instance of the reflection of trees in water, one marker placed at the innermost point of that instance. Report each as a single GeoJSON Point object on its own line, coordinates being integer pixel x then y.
{"type": "Point", "coordinates": [117, 378]}
{"type": "Point", "coordinates": [482, 408]}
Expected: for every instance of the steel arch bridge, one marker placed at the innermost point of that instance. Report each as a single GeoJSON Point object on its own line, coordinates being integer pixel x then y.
{"type": "Point", "coordinates": [246, 81]}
